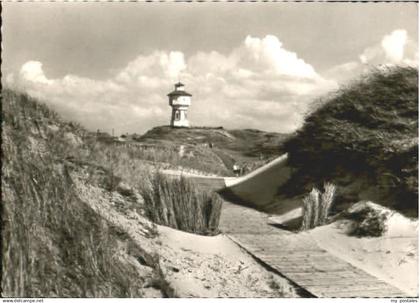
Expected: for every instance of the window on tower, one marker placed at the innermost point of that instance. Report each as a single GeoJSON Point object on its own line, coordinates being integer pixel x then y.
{"type": "Point", "coordinates": [177, 115]}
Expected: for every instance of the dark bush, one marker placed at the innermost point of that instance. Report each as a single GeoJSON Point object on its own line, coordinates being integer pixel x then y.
{"type": "Point", "coordinates": [368, 130]}
{"type": "Point", "coordinates": [367, 222]}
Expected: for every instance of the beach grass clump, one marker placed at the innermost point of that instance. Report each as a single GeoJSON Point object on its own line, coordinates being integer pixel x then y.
{"type": "Point", "coordinates": [317, 206]}
{"type": "Point", "coordinates": [177, 203]}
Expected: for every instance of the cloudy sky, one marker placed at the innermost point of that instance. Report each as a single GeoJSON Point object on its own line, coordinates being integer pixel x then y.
{"type": "Point", "coordinates": [247, 65]}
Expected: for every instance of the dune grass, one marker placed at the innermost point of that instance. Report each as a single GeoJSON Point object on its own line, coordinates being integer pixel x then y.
{"type": "Point", "coordinates": [178, 204]}
{"type": "Point", "coordinates": [166, 155]}
{"type": "Point", "coordinates": [368, 132]}
{"type": "Point", "coordinates": [317, 206]}
{"type": "Point", "coordinates": [53, 244]}
{"type": "Point", "coordinates": [167, 201]}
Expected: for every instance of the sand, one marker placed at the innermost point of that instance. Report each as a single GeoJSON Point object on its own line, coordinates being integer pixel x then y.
{"type": "Point", "coordinates": [392, 257]}
{"type": "Point", "coordinates": [192, 265]}
{"type": "Point", "coordinates": [200, 266]}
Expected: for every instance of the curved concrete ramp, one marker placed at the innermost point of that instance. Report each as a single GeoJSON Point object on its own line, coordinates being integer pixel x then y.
{"type": "Point", "coordinates": [259, 188]}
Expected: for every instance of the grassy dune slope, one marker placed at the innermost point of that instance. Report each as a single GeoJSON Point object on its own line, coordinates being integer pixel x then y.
{"type": "Point", "coordinates": [217, 149]}
{"type": "Point", "coordinates": [53, 243]}
{"type": "Point", "coordinates": [365, 139]}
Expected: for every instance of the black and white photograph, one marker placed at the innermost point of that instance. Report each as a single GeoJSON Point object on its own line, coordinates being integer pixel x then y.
{"type": "Point", "coordinates": [209, 149]}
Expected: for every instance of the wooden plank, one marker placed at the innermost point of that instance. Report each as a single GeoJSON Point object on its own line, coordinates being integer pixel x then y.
{"type": "Point", "coordinates": [338, 282]}
{"type": "Point", "coordinates": [322, 261]}
{"type": "Point", "coordinates": [301, 253]}
{"type": "Point", "coordinates": [330, 275]}
{"type": "Point", "coordinates": [317, 253]}
{"type": "Point", "coordinates": [320, 265]}
{"type": "Point", "coordinates": [349, 287]}
{"type": "Point", "coordinates": [333, 276]}
{"type": "Point", "coordinates": [342, 293]}
{"type": "Point", "coordinates": [308, 268]}
{"type": "Point", "coordinates": [302, 270]}
{"type": "Point", "coordinates": [294, 260]}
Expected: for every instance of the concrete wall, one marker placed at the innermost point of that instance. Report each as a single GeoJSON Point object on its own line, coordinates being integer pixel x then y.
{"type": "Point", "coordinates": [259, 189]}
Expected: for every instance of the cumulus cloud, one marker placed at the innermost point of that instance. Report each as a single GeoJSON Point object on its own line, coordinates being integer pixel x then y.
{"type": "Point", "coordinates": [32, 71]}
{"type": "Point", "coordinates": [393, 45]}
{"type": "Point", "coordinates": [146, 71]}
{"type": "Point", "coordinates": [390, 50]}
{"type": "Point", "coordinates": [394, 48]}
{"type": "Point", "coordinates": [259, 84]}
{"type": "Point", "coordinates": [269, 55]}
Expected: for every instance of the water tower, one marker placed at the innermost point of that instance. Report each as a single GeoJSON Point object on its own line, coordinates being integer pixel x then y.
{"type": "Point", "coordinates": [180, 101]}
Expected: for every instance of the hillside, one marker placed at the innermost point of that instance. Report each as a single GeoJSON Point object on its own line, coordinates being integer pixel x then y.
{"type": "Point", "coordinates": [219, 147]}
{"type": "Point", "coordinates": [74, 223]}
{"type": "Point", "coordinates": [364, 138]}
{"type": "Point", "coordinates": [53, 242]}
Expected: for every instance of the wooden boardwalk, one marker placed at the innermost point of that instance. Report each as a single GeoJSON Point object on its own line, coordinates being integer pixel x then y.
{"type": "Point", "coordinates": [298, 258]}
